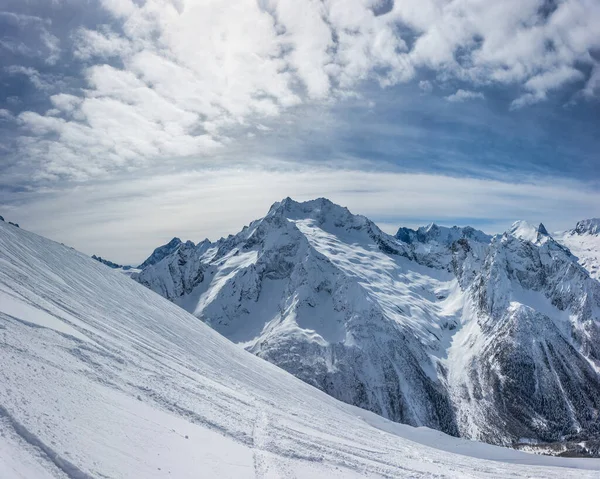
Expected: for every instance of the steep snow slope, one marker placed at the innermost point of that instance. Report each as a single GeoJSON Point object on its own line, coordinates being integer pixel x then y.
{"type": "Point", "coordinates": [433, 327]}
{"type": "Point", "coordinates": [584, 242]}
{"type": "Point", "coordinates": [101, 377]}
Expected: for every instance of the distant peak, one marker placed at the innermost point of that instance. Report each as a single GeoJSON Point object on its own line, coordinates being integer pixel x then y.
{"type": "Point", "coordinates": [442, 234]}
{"type": "Point", "coordinates": [159, 253]}
{"type": "Point", "coordinates": [527, 231]}
{"type": "Point", "coordinates": [296, 209]}
{"type": "Point", "coordinates": [284, 204]}
{"type": "Point", "coordinates": [590, 226]}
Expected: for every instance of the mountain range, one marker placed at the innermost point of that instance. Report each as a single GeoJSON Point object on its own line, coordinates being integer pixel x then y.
{"type": "Point", "coordinates": [492, 338]}
{"type": "Point", "coordinates": [101, 377]}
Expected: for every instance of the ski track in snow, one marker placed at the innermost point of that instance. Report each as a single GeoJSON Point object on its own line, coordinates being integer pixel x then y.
{"type": "Point", "coordinates": [103, 378]}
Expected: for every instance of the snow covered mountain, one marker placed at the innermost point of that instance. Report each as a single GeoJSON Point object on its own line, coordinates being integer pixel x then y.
{"type": "Point", "coordinates": [443, 327]}
{"type": "Point", "coordinates": [160, 252]}
{"type": "Point", "coordinates": [584, 242]}
{"type": "Point", "coordinates": [101, 377]}
{"type": "Point", "coordinates": [530, 344]}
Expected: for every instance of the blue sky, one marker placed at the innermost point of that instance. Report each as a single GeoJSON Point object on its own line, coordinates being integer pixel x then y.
{"type": "Point", "coordinates": [125, 123]}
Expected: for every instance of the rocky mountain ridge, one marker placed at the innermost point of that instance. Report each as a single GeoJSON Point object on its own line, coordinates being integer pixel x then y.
{"type": "Point", "coordinates": [490, 338]}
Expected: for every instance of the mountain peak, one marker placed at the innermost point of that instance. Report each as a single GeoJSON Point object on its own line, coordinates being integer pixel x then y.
{"type": "Point", "coordinates": [430, 227]}
{"type": "Point", "coordinates": [527, 231]}
{"type": "Point", "coordinates": [162, 251]}
{"type": "Point", "coordinates": [590, 226]}
{"type": "Point", "coordinates": [320, 209]}
{"type": "Point", "coordinates": [288, 204]}
{"type": "Point", "coordinates": [174, 241]}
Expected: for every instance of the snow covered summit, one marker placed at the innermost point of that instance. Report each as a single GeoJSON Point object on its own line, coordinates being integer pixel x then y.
{"type": "Point", "coordinates": [528, 232]}
{"type": "Point", "coordinates": [101, 377]}
{"type": "Point", "coordinates": [160, 252]}
{"type": "Point", "coordinates": [417, 327]}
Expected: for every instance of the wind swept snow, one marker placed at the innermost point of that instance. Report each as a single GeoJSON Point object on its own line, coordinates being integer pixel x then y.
{"type": "Point", "coordinates": [101, 377]}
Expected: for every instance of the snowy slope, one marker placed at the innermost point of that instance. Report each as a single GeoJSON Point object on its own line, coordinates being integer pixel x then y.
{"type": "Point", "coordinates": [330, 298]}
{"type": "Point", "coordinates": [101, 377]}
{"type": "Point", "coordinates": [414, 327]}
{"type": "Point", "coordinates": [584, 242]}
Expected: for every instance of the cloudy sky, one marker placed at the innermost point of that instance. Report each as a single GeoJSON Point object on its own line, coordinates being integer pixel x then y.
{"type": "Point", "coordinates": [126, 122]}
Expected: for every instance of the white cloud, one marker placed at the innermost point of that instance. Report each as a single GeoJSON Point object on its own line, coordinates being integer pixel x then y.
{"type": "Point", "coordinates": [51, 51]}
{"type": "Point", "coordinates": [104, 44]}
{"type": "Point", "coordinates": [464, 95]}
{"type": "Point", "coordinates": [6, 115]}
{"type": "Point", "coordinates": [65, 102]}
{"type": "Point", "coordinates": [426, 86]}
{"type": "Point", "coordinates": [111, 218]}
{"type": "Point", "coordinates": [31, 73]}
{"type": "Point", "coordinates": [191, 71]}
{"type": "Point", "coordinates": [539, 85]}
{"type": "Point", "coordinates": [592, 86]}
{"type": "Point", "coordinates": [52, 44]}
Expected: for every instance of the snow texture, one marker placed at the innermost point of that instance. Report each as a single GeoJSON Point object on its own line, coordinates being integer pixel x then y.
{"type": "Point", "coordinates": [494, 339]}
{"type": "Point", "coordinates": [101, 377]}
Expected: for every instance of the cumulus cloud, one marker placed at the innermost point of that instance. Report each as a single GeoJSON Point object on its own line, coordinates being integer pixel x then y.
{"type": "Point", "coordinates": [32, 74]}
{"type": "Point", "coordinates": [6, 115]}
{"type": "Point", "coordinates": [175, 78]}
{"type": "Point", "coordinates": [541, 84]}
{"type": "Point", "coordinates": [464, 95]}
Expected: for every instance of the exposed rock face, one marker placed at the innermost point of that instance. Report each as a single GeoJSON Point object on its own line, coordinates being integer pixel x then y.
{"type": "Point", "coordinates": [495, 339]}
{"type": "Point", "coordinates": [177, 273]}
{"type": "Point", "coordinates": [532, 347]}
{"type": "Point", "coordinates": [108, 263]}
{"type": "Point", "coordinates": [590, 227]}
{"type": "Point", "coordinates": [161, 252]}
